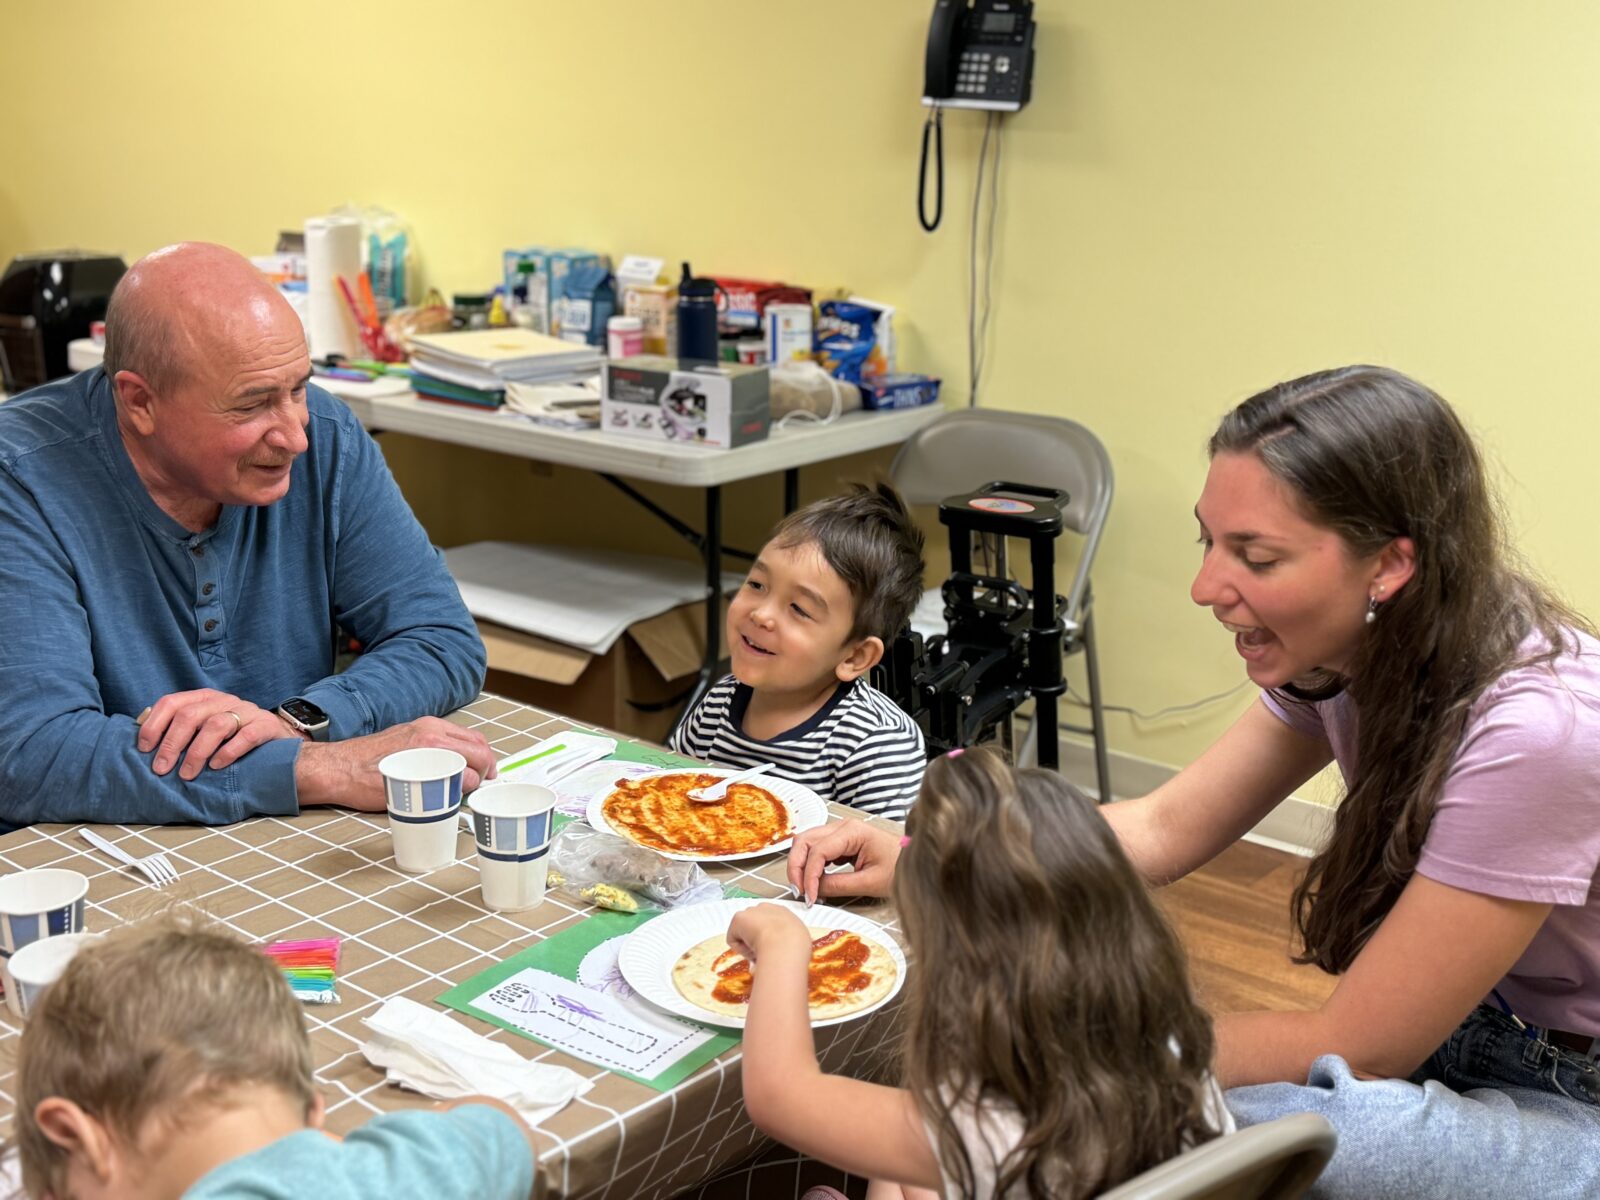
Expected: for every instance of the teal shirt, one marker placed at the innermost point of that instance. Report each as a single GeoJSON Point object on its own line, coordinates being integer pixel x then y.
{"type": "Point", "coordinates": [107, 604]}
{"type": "Point", "coordinates": [471, 1153]}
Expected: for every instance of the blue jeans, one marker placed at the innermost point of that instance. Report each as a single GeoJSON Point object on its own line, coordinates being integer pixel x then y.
{"type": "Point", "coordinates": [1494, 1113]}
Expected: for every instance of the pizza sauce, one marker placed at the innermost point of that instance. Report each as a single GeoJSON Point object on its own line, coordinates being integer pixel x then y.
{"type": "Point", "coordinates": [656, 812]}
{"type": "Point", "coordinates": [837, 958]}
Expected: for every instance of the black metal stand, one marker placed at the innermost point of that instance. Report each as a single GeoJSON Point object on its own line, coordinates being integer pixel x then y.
{"type": "Point", "coordinates": [1004, 641]}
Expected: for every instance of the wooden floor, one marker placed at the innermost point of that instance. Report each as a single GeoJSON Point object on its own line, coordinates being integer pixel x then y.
{"type": "Point", "coordinates": [1233, 916]}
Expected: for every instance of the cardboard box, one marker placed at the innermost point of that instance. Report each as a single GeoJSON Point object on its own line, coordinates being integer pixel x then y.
{"type": "Point", "coordinates": [547, 284]}
{"type": "Point", "coordinates": [656, 306]}
{"type": "Point", "coordinates": [718, 404]}
{"type": "Point", "coordinates": [644, 291]}
{"type": "Point", "coordinates": [637, 687]}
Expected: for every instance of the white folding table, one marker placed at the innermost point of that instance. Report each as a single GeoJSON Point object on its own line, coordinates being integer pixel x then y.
{"type": "Point", "coordinates": [681, 464]}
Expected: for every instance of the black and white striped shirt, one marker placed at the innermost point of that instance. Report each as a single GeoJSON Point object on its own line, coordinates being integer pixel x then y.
{"type": "Point", "coordinates": [859, 749]}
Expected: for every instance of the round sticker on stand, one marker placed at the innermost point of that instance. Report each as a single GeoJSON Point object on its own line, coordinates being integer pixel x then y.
{"type": "Point", "coordinates": [1000, 504]}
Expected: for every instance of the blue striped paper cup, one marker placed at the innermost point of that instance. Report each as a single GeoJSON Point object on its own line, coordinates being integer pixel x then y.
{"type": "Point", "coordinates": [41, 903]}
{"type": "Point", "coordinates": [39, 964]}
{"type": "Point", "coordinates": [512, 824]}
{"type": "Point", "coordinates": [423, 790]}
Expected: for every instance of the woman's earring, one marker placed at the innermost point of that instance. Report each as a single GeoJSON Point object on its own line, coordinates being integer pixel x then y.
{"type": "Point", "coordinates": [1372, 609]}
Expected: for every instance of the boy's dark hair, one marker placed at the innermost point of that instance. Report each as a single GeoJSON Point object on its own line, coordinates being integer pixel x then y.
{"type": "Point", "coordinates": [867, 537]}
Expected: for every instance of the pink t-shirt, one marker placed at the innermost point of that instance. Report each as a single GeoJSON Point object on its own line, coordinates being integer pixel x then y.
{"type": "Point", "coordinates": [1518, 817]}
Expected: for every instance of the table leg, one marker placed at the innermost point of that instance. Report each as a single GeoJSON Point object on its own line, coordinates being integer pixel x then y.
{"type": "Point", "coordinates": [711, 553]}
{"type": "Point", "coordinates": [791, 490]}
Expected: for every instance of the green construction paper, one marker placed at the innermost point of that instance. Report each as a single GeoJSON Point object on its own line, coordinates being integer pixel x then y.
{"type": "Point", "coordinates": [655, 756]}
{"type": "Point", "coordinates": [560, 955]}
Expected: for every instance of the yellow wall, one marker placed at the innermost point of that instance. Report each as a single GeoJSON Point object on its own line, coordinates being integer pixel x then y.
{"type": "Point", "coordinates": [1202, 199]}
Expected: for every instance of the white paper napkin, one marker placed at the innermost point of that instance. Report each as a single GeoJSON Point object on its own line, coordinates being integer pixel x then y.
{"type": "Point", "coordinates": [429, 1053]}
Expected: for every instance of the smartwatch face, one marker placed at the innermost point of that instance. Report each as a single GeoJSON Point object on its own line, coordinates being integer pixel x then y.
{"type": "Point", "coordinates": [305, 712]}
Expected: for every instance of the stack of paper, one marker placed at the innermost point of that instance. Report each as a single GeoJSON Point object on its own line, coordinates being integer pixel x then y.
{"type": "Point", "coordinates": [564, 405]}
{"type": "Point", "coordinates": [488, 359]}
{"type": "Point", "coordinates": [309, 966]}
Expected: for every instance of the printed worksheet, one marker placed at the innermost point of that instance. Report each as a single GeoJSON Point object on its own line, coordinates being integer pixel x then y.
{"type": "Point", "coordinates": [620, 1033]}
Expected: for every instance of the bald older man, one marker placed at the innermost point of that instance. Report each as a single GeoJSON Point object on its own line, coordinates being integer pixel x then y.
{"type": "Point", "coordinates": [181, 531]}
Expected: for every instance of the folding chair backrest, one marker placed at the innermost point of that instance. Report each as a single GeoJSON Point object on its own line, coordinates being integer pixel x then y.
{"type": "Point", "coordinates": [968, 448]}
{"type": "Point", "coordinates": [1277, 1160]}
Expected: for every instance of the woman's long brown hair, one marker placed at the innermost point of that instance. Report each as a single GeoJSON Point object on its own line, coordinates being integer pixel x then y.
{"type": "Point", "coordinates": [1376, 456]}
{"type": "Point", "coordinates": [1046, 982]}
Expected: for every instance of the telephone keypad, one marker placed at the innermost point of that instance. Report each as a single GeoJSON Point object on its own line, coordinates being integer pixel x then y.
{"type": "Point", "coordinates": [972, 78]}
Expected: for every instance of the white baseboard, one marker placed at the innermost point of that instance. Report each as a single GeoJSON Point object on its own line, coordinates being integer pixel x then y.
{"type": "Point", "coordinates": [1296, 826]}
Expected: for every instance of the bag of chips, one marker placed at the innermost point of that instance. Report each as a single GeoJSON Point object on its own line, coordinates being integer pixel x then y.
{"type": "Point", "coordinates": [846, 336]}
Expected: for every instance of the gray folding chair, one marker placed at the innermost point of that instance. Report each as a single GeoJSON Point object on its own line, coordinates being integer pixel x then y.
{"type": "Point", "coordinates": [966, 449]}
{"type": "Point", "coordinates": [1276, 1160]}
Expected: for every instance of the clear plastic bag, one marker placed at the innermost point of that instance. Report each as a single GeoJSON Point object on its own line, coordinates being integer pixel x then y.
{"type": "Point", "coordinates": [596, 866]}
{"type": "Point", "coordinates": [803, 391]}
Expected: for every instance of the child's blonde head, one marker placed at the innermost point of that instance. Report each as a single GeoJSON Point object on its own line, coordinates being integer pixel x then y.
{"type": "Point", "coordinates": [1046, 983]}
{"type": "Point", "coordinates": [151, 1021]}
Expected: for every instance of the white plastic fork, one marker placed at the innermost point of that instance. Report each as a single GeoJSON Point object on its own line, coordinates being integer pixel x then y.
{"type": "Point", "coordinates": [154, 867]}
{"type": "Point", "coordinates": [719, 789]}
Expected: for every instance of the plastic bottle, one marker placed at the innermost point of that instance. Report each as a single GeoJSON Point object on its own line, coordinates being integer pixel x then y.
{"type": "Point", "coordinates": [624, 337]}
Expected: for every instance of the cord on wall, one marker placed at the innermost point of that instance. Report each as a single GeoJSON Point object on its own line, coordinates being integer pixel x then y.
{"type": "Point", "coordinates": [1082, 702]}
{"type": "Point", "coordinates": [932, 128]}
{"type": "Point", "coordinates": [980, 260]}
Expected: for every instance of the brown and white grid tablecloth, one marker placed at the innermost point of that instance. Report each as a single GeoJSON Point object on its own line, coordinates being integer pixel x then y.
{"type": "Point", "coordinates": [330, 872]}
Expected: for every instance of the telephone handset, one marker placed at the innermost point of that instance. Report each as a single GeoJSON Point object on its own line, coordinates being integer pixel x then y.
{"type": "Point", "coordinates": [980, 55]}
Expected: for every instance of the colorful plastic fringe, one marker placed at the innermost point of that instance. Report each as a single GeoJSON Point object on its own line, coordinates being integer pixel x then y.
{"type": "Point", "coordinates": [309, 967]}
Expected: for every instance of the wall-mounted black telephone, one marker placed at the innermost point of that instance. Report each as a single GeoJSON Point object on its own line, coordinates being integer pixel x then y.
{"type": "Point", "coordinates": [980, 55]}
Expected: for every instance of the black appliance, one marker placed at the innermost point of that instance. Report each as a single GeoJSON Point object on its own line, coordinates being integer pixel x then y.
{"type": "Point", "coordinates": [1004, 641]}
{"type": "Point", "coordinates": [47, 300]}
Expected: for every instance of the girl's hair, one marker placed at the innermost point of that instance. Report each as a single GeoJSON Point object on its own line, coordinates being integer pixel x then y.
{"type": "Point", "coordinates": [1046, 982]}
{"type": "Point", "coordinates": [155, 1021]}
{"type": "Point", "coordinates": [1375, 456]}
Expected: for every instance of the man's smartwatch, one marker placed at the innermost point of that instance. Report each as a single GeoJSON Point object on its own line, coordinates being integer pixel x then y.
{"type": "Point", "coordinates": [306, 717]}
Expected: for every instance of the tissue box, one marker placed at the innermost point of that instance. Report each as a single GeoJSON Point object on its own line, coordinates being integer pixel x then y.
{"type": "Point", "coordinates": [723, 404]}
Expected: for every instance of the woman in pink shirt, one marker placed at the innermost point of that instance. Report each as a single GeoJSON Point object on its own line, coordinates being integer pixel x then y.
{"type": "Point", "coordinates": [1352, 547]}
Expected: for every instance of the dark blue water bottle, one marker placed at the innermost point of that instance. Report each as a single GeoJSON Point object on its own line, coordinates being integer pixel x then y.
{"type": "Point", "coordinates": [697, 318]}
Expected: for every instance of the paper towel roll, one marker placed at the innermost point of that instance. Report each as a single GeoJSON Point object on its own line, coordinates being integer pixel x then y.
{"type": "Point", "coordinates": [333, 249]}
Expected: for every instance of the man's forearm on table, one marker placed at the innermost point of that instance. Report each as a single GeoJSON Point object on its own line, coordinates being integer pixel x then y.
{"type": "Point", "coordinates": [86, 767]}
{"type": "Point", "coordinates": [400, 680]}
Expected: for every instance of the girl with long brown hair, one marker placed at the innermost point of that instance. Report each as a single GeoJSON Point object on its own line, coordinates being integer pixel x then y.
{"type": "Point", "coordinates": [1353, 547]}
{"type": "Point", "coordinates": [1053, 1046]}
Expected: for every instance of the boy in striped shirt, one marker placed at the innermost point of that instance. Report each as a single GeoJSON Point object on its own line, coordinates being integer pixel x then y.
{"type": "Point", "coordinates": [836, 582]}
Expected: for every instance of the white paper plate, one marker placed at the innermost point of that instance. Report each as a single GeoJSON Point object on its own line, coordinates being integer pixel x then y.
{"type": "Point", "coordinates": [650, 951]}
{"type": "Point", "coordinates": [806, 810]}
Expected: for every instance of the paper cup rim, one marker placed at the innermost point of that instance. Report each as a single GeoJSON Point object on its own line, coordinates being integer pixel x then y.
{"type": "Point", "coordinates": [394, 766]}
{"type": "Point", "coordinates": [73, 886]}
{"type": "Point", "coordinates": [47, 948]}
{"type": "Point", "coordinates": [519, 803]}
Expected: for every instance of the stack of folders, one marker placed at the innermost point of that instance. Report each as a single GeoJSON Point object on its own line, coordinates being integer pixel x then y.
{"type": "Point", "coordinates": [475, 366]}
